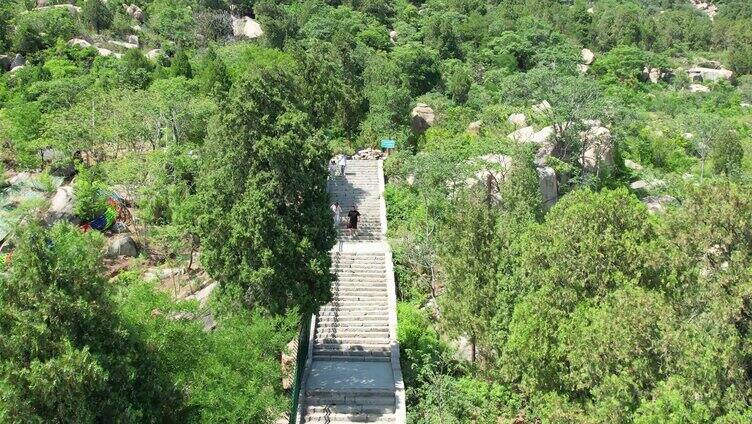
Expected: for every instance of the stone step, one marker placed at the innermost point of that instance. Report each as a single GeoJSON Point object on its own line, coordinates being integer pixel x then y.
{"type": "Point", "coordinates": [343, 335]}
{"type": "Point", "coordinates": [361, 350]}
{"type": "Point", "coordinates": [351, 323]}
{"type": "Point", "coordinates": [354, 306]}
{"type": "Point", "coordinates": [354, 320]}
{"type": "Point", "coordinates": [351, 409]}
{"type": "Point", "coordinates": [360, 266]}
{"type": "Point", "coordinates": [357, 297]}
{"type": "Point", "coordinates": [340, 418]}
{"type": "Point", "coordinates": [362, 302]}
{"type": "Point", "coordinates": [371, 396]}
{"type": "Point", "coordinates": [352, 273]}
{"type": "Point", "coordinates": [345, 314]}
{"type": "Point", "coordinates": [339, 358]}
{"type": "Point", "coordinates": [354, 340]}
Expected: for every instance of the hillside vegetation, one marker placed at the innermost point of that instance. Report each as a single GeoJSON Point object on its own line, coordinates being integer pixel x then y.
{"type": "Point", "coordinates": [569, 203]}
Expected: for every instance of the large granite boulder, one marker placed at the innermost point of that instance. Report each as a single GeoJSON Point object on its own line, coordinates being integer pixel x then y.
{"type": "Point", "coordinates": [518, 120]}
{"type": "Point", "coordinates": [700, 74]}
{"type": "Point", "coordinates": [61, 207]}
{"type": "Point", "coordinates": [18, 60]}
{"type": "Point", "coordinates": [549, 186]}
{"type": "Point", "coordinates": [246, 27]}
{"type": "Point", "coordinates": [599, 150]}
{"type": "Point", "coordinates": [522, 135]}
{"type": "Point", "coordinates": [79, 42]}
{"type": "Point", "coordinates": [422, 118]}
{"type": "Point", "coordinates": [121, 245]}
{"type": "Point", "coordinates": [587, 56]}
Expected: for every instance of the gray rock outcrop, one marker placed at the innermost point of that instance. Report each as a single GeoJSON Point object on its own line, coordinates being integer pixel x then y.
{"type": "Point", "coordinates": [134, 12]}
{"type": "Point", "coordinates": [422, 118]}
{"type": "Point", "coordinates": [17, 61]}
{"type": "Point", "coordinates": [122, 245]}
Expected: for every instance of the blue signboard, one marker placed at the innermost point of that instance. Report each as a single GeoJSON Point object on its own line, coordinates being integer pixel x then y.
{"type": "Point", "coordinates": [388, 144]}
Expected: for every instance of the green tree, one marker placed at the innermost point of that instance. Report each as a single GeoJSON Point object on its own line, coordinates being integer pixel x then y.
{"type": "Point", "coordinates": [65, 355]}
{"type": "Point", "coordinates": [135, 69]}
{"type": "Point", "coordinates": [467, 258]}
{"type": "Point", "coordinates": [96, 14]}
{"type": "Point", "coordinates": [181, 66]}
{"type": "Point", "coordinates": [264, 224]}
{"type": "Point", "coordinates": [214, 78]}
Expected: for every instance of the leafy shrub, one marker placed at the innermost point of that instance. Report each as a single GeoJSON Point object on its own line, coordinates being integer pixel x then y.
{"type": "Point", "coordinates": [90, 194]}
{"type": "Point", "coordinates": [40, 29]}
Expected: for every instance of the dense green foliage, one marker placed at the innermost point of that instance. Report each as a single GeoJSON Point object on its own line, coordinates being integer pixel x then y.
{"type": "Point", "coordinates": [590, 310]}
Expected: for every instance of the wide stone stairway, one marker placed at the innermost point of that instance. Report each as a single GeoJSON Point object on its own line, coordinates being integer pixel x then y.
{"type": "Point", "coordinates": [353, 374]}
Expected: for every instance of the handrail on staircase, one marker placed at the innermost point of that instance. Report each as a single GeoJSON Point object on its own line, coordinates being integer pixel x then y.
{"type": "Point", "coordinates": [300, 364]}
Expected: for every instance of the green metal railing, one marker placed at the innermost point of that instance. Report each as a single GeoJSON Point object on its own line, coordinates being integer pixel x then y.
{"type": "Point", "coordinates": [305, 328]}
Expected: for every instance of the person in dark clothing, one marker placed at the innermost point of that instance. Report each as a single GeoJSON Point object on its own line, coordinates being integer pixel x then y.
{"type": "Point", "coordinates": [353, 215]}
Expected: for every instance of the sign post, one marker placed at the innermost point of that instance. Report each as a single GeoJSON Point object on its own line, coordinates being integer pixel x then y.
{"type": "Point", "coordinates": [388, 145]}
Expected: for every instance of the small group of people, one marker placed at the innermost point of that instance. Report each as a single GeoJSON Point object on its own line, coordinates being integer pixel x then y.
{"type": "Point", "coordinates": [337, 165]}
{"type": "Point", "coordinates": [353, 215]}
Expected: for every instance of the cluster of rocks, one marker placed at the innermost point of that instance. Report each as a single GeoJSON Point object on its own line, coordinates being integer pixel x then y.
{"type": "Point", "coordinates": [368, 154]}
{"type": "Point", "coordinates": [492, 169]}
{"type": "Point", "coordinates": [246, 27]}
{"type": "Point", "coordinates": [134, 12]}
{"type": "Point", "coordinates": [710, 9]}
{"type": "Point", "coordinates": [12, 64]}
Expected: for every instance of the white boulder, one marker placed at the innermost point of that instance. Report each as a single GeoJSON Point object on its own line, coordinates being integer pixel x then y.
{"type": "Point", "coordinates": [154, 54]}
{"type": "Point", "coordinates": [522, 135]}
{"type": "Point", "coordinates": [246, 27]}
{"type": "Point", "coordinates": [80, 42]}
{"type": "Point", "coordinates": [474, 127]}
{"type": "Point", "coordinates": [587, 56]}
{"type": "Point", "coordinates": [701, 74]}
{"type": "Point", "coordinates": [598, 149]}
{"type": "Point", "coordinates": [518, 120]}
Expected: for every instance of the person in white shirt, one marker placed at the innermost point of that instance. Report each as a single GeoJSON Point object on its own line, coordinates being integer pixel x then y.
{"type": "Point", "coordinates": [332, 168]}
{"type": "Point", "coordinates": [337, 212]}
{"type": "Point", "coordinates": [342, 164]}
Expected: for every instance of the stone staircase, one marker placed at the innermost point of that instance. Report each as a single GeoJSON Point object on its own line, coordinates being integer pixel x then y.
{"type": "Point", "coordinates": [354, 373]}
